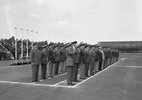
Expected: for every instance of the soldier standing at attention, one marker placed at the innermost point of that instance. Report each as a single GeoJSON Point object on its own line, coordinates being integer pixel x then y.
{"type": "Point", "coordinates": [92, 60]}
{"type": "Point", "coordinates": [69, 63]}
{"type": "Point", "coordinates": [82, 60]}
{"type": "Point", "coordinates": [88, 57]}
{"type": "Point", "coordinates": [57, 60]}
{"type": "Point", "coordinates": [35, 62]}
{"type": "Point", "coordinates": [76, 64]}
{"type": "Point", "coordinates": [44, 61]}
{"type": "Point", "coordinates": [50, 60]}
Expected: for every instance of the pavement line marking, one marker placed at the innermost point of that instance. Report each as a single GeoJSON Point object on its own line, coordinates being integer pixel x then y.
{"type": "Point", "coordinates": [64, 86]}
{"type": "Point", "coordinates": [123, 58]}
{"type": "Point", "coordinates": [132, 66]}
{"type": "Point", "coordinates": [92, 76]}
{"type": "Point", "coordinates": [12, 67]}
{"type": "Point", "coordinates": [33, 84]}
{"type": "Point", "coordinates": [59, 82]}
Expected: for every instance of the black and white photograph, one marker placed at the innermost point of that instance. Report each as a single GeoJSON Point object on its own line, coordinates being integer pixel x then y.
{"type": "Point", "coordinates": [70, 49]}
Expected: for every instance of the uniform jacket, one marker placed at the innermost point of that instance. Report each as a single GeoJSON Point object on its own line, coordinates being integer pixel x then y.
{"type": "Point", "coordinates": [76, 56]}
{"type": "Point", "coordinates": [35, 57]}
{"type": "Point", "coordinates": [44, 58]}
{"type": "Point", "coordinates": [56, 54]}
{"type": "Point", "coordinates": [62, 55]}
{"type": "Point", "coordinates": [69, 57]}
{"type": "Point", "coordinates": [50, 55]}
{"type": "Point", "coordinates": [88, 57]}
{"type": "Point", "coordinates": [82, 58]}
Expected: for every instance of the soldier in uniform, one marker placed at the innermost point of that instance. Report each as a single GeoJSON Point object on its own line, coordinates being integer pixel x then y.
{"type": "Point", "coordinates": [44, 61]}
{"type": "Point", "coordinates": [82, 60]}
{"type": "Point", "coordinates": [76, 64]}
{"type": "Point", "coordinates": [69, 63]}
{"type": "Point", "coordinates": [35, 62]}
{"type": "Point", "coordinates": [62, 59]}
{"type": "Point", "coordinates": [101, 58]}
{"type": "Point", "coordinates": [92, 60]}
{"type": "Point", "coordinates": [57, 60]}
{"type": "Point", "coordinates": [88, 57]}
{"type": "Point", "coordinates": [50, 60]}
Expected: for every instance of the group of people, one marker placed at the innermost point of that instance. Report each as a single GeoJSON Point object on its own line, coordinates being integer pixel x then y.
{"type": "Point", "coordinates": [78, 60]}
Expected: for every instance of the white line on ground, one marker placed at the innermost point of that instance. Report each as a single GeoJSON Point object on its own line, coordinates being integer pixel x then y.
{"type": "Point", "coordinates": [11, 67]}
{"type": "Point", "coordinates": [123, 58]}
{"type": "Point", "coordinates": [59, 82]}
{"type": "Point", "coordinates": [64, 86]}
{"type": "Point", "coordinates": [33, 84]}
{"type": "Point", "coordinates": [132, 66]}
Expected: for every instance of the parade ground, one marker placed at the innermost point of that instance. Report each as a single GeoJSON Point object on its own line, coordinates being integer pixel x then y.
{"type": "Point", "coordinates": [120, 81]}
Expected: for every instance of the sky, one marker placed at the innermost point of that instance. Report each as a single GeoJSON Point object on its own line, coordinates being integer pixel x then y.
{"type": "Point", "coordinates": [88, 21]}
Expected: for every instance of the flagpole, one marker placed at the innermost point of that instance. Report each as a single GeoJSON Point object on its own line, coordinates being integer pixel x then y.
{"type": "Point", "coordinates": [32, 39]}
{"type": "Point", "coordinates": [22, 44]}
{"type": "Point", "coordinates": [15, 45]}
{"type": "Point", "coordinates": [27, 55]}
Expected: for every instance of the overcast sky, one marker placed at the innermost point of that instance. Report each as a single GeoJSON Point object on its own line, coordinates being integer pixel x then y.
{"type": "Point", "coordinates": [68, 20]}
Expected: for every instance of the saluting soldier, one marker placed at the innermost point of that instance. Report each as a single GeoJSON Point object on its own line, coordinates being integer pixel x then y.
{"type": "Point", "coordinates": [76, 64]}
{"type": "Point", "coordinates": [50, 60]}
{"type": "Point", "coordinates": [62, 59]}
{"type": "Point", "coordinates": [88, 58]}
{"type": "Point", "coordinates": [92, 60]}
{"type": "Point", "coordinates": [101, 58]}
{"type": "Point", "coordinates": [44, 61]}
{"type": "Point", "coordinates": [82, 60]}
{"type": "Point", "coordinates": [35, 62]}
{"type": "Point", "coordinates": [57, 60]}
{"type": "Point", "coordinates": [69, 63]}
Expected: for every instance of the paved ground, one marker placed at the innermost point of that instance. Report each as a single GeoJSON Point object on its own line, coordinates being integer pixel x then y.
{"type": "Point", "coordinates": [120, 81]}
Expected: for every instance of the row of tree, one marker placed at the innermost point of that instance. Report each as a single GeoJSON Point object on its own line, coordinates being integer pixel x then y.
{"type": "Point", "coordinates": [9, 44]}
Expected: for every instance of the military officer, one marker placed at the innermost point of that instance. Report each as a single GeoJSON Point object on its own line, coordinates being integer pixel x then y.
{"type": "Point", "coordinates": [92, 60]}
{"type": "Point", "coordinates": [44, 61]}
{"type": "Point", "coordinates": [88, 57]}
{"type": "Point", "coordinates": [69, 63]}
{"type": "Point", "coordinates": [57, 60]}
{"type": "Point", "coordinates": [82, 60]}
{"type": "Point", "coordinates": [35, 62]}
{"type": "Point", "coordinates": [50, 60]}
{"type": "Point", "coordinates": [62, 59]}
{"type": "Point", "coordinates": [76, 57]}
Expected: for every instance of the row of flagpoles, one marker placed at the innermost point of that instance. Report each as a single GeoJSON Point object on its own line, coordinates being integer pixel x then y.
{"type": "Point", "coordinates": [22, 32]}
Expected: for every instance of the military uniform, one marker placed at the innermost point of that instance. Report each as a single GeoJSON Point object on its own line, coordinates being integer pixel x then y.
{"type": "Point", "coordinates": [76, 65]}
{"type": "Point", "coordinates": [44, 61]}
{"type": "Point", "coordinates": [69, 64]}
{"type": "Point", "coordinates": [82, 60]}
{"type": "Point", "coordinates": [35, 61]}
{"type": "Point", "coordinates": [57, 60]}
{"type": "Point", "coordinates": [50, 62]}
{"type": "Point", "coordinates": [88, 57]}
{"type": "Point", "coordinates": [92, 61]}
{"type": "Point", "coordinates": [62, 59]}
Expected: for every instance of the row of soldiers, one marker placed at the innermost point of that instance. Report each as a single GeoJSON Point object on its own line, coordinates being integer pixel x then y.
{"type": "Point", "coordinates": [81, 60]}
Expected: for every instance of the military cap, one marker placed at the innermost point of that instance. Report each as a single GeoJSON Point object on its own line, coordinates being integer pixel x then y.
{"type": "Point", "coordinates": [34, 43]}
{"type": "Point", "coordinates": [50, 44]}
{"type": "Point", "coordinates": [87, 45]}
{"type": "Point", "coordinates": [74, 42]}
{"type": "Point", "coordinates": [44, 46]}
{"type": "Point", "coordinates": [67, 45]}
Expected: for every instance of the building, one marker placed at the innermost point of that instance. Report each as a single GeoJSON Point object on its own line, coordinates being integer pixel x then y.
{"type": "Point", "coordinates": [123, 46]}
